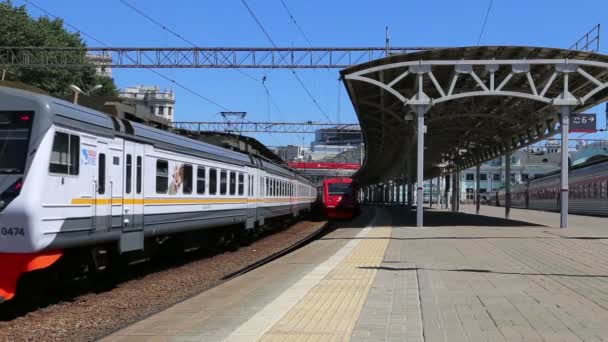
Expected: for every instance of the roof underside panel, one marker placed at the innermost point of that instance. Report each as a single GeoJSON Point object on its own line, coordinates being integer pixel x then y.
{"type": "Point", "coordinates": [484, 102]}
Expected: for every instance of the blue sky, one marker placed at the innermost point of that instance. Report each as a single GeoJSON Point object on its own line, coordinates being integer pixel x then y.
{"type": "Point", "coordinates": [556, 23]}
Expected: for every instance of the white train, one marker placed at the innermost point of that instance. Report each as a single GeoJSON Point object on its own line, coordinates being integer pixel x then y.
{"type": "Point", "coordinates": [75, 179]}
{"type": "Point", "coordinates": [587, 190]}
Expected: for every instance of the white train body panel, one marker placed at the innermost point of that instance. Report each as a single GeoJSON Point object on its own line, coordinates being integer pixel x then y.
{"type": "Point", "coordinates": [150, 186]}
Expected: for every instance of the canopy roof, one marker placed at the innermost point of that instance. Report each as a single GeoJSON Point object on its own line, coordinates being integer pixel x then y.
{"type": "Point", "coordinates": [479, 103]}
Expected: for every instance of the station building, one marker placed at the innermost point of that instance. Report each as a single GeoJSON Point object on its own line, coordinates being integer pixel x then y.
{"type": "Point", "coordinates": [160, 102]}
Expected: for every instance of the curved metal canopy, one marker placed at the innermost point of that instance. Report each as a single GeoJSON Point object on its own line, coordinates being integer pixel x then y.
{"type": "Point", "coordinates": [479, 103]}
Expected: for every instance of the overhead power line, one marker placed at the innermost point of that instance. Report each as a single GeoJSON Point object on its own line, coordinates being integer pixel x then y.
{"type": "Point", "coordinates": [293, 19]}
{"type": "Point", "coordinates": [178, 84]}
{"type": "Point", "coordinates": [259, 23]}
{"type": "Point", "coordinates": [176, 34]}
{"type": "Point", "coordinates": [485, 20]}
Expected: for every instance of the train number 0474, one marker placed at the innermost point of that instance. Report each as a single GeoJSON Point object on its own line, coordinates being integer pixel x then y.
{"type": "Point", "coordinates": [12, 231]}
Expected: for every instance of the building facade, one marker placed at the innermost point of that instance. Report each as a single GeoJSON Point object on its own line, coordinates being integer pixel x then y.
{"type": "Point", "coordinates": [102, 64]}
{"type": "Point", "coordinates": [160, 103]}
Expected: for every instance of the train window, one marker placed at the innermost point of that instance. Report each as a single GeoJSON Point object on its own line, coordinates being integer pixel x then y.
{"type": "Point", "coordinates": [223, 182]}
{"type": "Point", "coordinates": [101, 174]}
{"type": "Point", "coordinates": [267, 193]}
{"type": "Point", "coordinates": [138, 175]}
{"type": "Point", "coordinates": [232, 182]}
{"type": "Point", "coordinates": [241, 184]}
{"type": "Point", "coordinates": [188, 184]}
{"type": "Point", "coordinates": [604, 186]}
{"type": "Point", "coordinates": [65, 154]}
{"type": "Point", "coordinates": [212, 181]}
{"type": "Point", "coordinates": [128, 173]}
{"type": "Point", "coordinates": [200, 180]}
{"type": "Point", "coordinates": [162, 176]}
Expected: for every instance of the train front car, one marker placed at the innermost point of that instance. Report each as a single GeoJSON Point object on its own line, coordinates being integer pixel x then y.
{"type": "Point", "coordinates": [24, 126]}
{"type": "Point", "coordinates": [340, 198]}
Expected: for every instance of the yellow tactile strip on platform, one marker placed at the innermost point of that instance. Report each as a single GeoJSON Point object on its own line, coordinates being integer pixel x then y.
{"type": "Point", "coordinates": [330, 310]}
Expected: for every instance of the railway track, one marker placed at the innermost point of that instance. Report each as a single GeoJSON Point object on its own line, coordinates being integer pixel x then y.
{"type": "Point", "coordinates": [90, 310]}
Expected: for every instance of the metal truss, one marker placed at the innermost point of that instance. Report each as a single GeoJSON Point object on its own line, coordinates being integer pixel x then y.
{"type": "Point", "coordinates": [530, 86]}
{"type": "Point", "coordinates": [264, 127]}
{"type": "Point", "coordinates": [199, 57]}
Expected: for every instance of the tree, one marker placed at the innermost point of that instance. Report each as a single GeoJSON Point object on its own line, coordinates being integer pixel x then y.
{"type": "Point", "coordinates": [18, 28]}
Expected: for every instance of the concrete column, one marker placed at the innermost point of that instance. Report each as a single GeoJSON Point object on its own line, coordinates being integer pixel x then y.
{"type": "Point", "coordinates": [477, 184]}
{"type": "Point", "coordinates": [454, 190]}
{"type": "Point", "coordinates": [565, 127]}
{"type": "Point", "coordinates": [507, 185]}
{"type": "Point", "coordinates": [420, 167]}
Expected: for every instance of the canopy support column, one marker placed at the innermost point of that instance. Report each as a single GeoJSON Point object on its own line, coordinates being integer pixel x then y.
{"type": "Point", "coordinates": [420, 110]}
{"type": "Point", "coordinates": [507, 185]}
{"type": "Point", "coordinates": [566, 111]}
{"type": "Point", "coordinates": [477, 183]}
{"type": "Point", "coordinates": [431, 192]}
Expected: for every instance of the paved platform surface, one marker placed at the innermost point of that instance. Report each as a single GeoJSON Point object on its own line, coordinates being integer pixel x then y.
{"type": "Point", "coordinates": [378, 278]}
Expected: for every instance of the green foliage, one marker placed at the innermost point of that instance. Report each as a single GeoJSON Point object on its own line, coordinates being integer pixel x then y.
{"type": "Point", "coordinates": [18, 28]}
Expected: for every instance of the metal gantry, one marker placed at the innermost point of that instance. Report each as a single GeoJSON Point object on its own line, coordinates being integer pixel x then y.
{"type": "Point", "coordinates": [199, 57]}
{"type": "Point", "coordinates": [265, 127]}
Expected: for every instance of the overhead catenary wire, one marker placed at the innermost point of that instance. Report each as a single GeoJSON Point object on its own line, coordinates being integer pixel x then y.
{"type": "Point", "coordinates": [485, 20]}
{"type": "Point", "coordinates": [176, 83]}
{"type": "Point", "coordinates": [302, 84]}
{"type": "Point", "coordinates": [173, 32]}
{"type": "Point", "coordinates": [187, 41]}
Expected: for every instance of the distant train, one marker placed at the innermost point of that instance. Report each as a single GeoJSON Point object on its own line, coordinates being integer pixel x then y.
{"type": "Point", "coordinates": [587, 189]}
{"type": "Point", "coordinates": [81, 187]}
{"type": "Point", "coordinates": [338, 197]}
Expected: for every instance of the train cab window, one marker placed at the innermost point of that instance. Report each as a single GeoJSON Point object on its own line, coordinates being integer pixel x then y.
{"type": "Point", "coordinates": [232, 182]}
{"type": "Point", "coordinates": [65, 155]}
{"type": "Point", "coordinates": [187, 181]}
{"type": "Point", "coordinates": [138, 175]}
{"type": "Point", "coordinates": [212, 181]}
{"type": "Point", "coordinates": [241, 184]}
{"type": "Point", "coordinates": [223, 182]}
{"type": "Point", "coordinates": [101, 174]}
{"type": "Point", "coordinates": [162, 176]}
{"type": "Point", "coordinates": [200, 180]}
{"type": "Point", "coordinates": [128, 173]}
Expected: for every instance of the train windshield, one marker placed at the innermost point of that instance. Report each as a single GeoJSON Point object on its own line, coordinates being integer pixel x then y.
{"type": "Point", "coordinates": [15, 130]}
{"type": "Point", "coordinates": [339, 189]}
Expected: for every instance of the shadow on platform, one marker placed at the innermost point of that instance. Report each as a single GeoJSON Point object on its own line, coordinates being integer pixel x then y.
{"type": "Point", "coordinates": [433, 218]}
{"type": "Point", "coordinates": [474, 270]}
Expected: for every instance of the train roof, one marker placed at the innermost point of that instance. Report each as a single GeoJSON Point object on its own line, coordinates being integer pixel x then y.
{"type": "Point", "coordinates": [72, 115]}
{"type": "Point", "coordinates": [594, 161]}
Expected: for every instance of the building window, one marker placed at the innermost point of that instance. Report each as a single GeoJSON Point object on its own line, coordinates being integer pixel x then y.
{"type": "Point", "coordinates": [162, 176]}
{"type": "Point", "coordinates": [65, 154]}
{"type": "Point", "coordinates": [200, 180]}
{"type": "Point", "coordinates": [187, 179]}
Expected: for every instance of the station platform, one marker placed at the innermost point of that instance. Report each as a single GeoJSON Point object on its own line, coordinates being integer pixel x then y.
{"type": "Point", "coordinates": [379, 278]}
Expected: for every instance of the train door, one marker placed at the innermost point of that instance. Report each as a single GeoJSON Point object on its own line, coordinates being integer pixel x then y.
{"type": "Point", "coordinates": [114, 183]}
{"type": "Point", "coordinates": [132, 237]}
{"type": "Point", "coordinates": [251, 202]}
{"type": "Point", "coordinates": [101, 204]}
